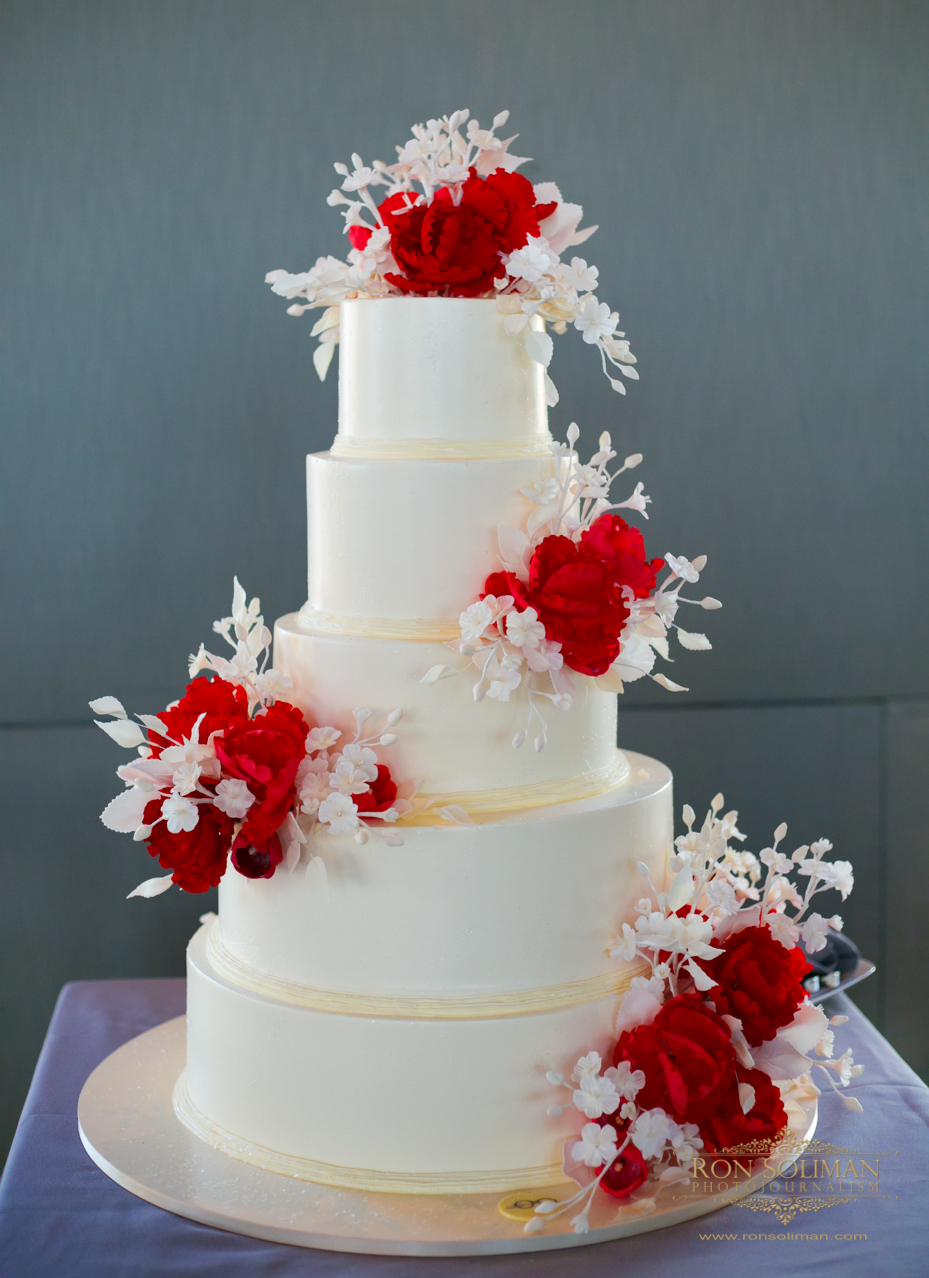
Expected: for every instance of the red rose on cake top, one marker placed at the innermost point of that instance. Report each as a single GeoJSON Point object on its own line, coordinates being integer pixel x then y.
{"type": "Point", "coordinates": [759, 981]}
{"type": "Point", "coordinates": [454, 247]}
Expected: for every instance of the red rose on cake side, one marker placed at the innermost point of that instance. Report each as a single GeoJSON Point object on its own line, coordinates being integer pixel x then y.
{"type": "Point", "coordinates": [233, 768]}
{"type": "Point", "coordinates": [575, 594]}
{"type": "Point", "coordinates": [716, 1048]}
{"type": "Point", "coordinates": [577, 590]}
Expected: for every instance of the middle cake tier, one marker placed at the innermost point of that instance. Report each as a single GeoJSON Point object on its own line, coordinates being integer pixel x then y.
{"type": "Point", "coordinates": [457, 751]}
{"type": "Point", "coordinates": [409, 541]}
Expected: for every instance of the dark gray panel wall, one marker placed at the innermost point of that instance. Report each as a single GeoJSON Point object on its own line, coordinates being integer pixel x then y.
{"type": "Point", "coordinates": [757, 169]}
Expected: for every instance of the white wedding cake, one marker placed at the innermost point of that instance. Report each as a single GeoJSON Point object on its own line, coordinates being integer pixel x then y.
{"type": "Point", "coordinates": [396, 1032]}
{"type": "Point", "coordinates": [439, 879]}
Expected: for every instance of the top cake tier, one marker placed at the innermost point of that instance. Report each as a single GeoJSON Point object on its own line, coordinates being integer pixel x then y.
{"type": "Point", "coordinates": [436, 377]}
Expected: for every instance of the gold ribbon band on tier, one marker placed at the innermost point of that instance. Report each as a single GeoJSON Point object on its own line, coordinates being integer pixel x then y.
{"type": "Point", "coordinates": [420, 1007]}
{"type": "Point", "coordinates": [439, 449]}
{"type": "Point", "coordinates": [519, 798]}
{"type": "Point", "coordinates": [474, 1182]}
{"type": "Point", "coordinates": [421, 630]}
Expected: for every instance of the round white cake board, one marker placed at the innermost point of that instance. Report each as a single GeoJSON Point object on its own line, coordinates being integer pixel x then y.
{"type": "Point", "coordinates": [129, 1128]}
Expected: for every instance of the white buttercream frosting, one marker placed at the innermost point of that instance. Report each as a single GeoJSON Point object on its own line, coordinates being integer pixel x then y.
{"type": "Point", "coordinates": [446, 741]}
{"type": "Point", "coordinates": [520, 903]}
{"type": "Point", "coordinates": [410, 539]}
{"type": "Point", "coordinates": [436, 368]}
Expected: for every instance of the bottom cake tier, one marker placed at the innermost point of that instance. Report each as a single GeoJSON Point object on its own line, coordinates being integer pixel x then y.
{"type": "Point", "coordinates": [429, 1090]}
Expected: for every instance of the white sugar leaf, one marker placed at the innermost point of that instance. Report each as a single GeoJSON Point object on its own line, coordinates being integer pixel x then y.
{"type": "Point", "coordinates": [746, 1097]}
{"type": "Point", "coordinates": [681, 889]}
{"type": "Point", "coordinates": [514, 324]}
{"type": "Point", "coordinates": [541, 515]}
{"type": "Point", "coordinates": [669, 684]}
{"type": "Point", "coordinates": [322, 357]}
{"type": "Point", "coordinates": [701, 980]}
{"type": "Point", "coordinates": [513, 544]}
{"type": "Point", "coordinates": [153, 723]}
{"type": "Point", "coordinates": [696, 643]}
{"type": "Point", "coordinates": [551, 392]}
{"type": "Point", "coordinates": [393, 839]}
{"type": "Point", "coordinates": [125, 813]}
{"type": "Point", "coordinates": [435, 673]}
{"type": "Point", "coordinates": [328, 319]}
{"type": "Point", "coordinates": [660, 644]}
{"type": "Point", "coordinates": [108, 705]}
{"type": "Point", "coordinates": [611, 681]}
{"type": "Point", "coordinates": [151, 887]}
{"type": "Point", "coordinates": [456, 814]}
{"type": "Point", "coordinates": [124, 732]}
{"type": "Point", "coordinates": [580, 236]}
{"type": "Point", "coordinates": [539, 346]}
{"type": "Point", "coordinates": [317, 877]}
{"type": "Point", "coordinates": [617, 385]}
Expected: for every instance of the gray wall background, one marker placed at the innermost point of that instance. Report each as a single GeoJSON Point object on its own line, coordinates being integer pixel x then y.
{"type": "Point", "coordinates": [757, 169]}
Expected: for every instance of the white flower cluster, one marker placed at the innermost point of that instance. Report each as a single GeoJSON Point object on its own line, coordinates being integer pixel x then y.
{"type": "Point", "coordinates": [722, 890]}
{"type": "Point", "coordinates": [181, 769]}
{"type": "Point", "coordinates": [329, 781]}
{"type": "Point", "coordinates": [326, 780]}
{"type": "Point", "coordinates": [508, 645]}
{"type": "Point", "coordinates": [533, 280]}
{"type": "Point", "coordinates": [251, 646]}
{"type": "Point", "coordinates": [716, 892]}
{"type": "Point", "coordinates": [667, 1145]}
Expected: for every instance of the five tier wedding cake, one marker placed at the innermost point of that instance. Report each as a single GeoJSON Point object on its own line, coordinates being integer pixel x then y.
{"type": "Point", "coordinates": [439, 879]}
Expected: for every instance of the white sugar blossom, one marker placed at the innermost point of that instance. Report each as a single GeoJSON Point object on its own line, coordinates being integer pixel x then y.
{"type": "Point", "coordinates": [322, 738]}
{"type": "Point", "coordinates": [532, 261]}
{"type": "Point", "coordinates": [524, 630]}
{"type": "Point", "coordinates": [597, 1146]}
{"type": "Point", "coordinates": [589, 1064]}
{"type": "Point", "coordinates": [180, 814]}
{"type": "Point", "coordinates": [627, 1081]}
{"type": "Point", "coordinates": [815, 932]}
{"type": "Point", "coordinates": [685, 1141]}
{"type": "Point", "coordinates": [683, 568]}
{"type": "Point", "coordinates": [579, 276]}
{"type": "Point", "coordinates": [272, 685]}
{"type": "Point", "coordinates": [595, 320]}
{"type": "Point", "coordinates": [475, 620]}
{"type": "Point", "coordinates": [441, 157]}
{"type": "Point", "coordinates": [624, 948]}
{"type": "Point", "coordinates": [546, 657]}
{"type": "Point", "coordinates": [339, 813]}
{"type": "Point", "coordinates": [233, 797]}
{"type": "Point", "coordinates": [651, 1132]}
{"type": "Point", "coordinates": [595, 1096]}
{"type": "Point", "coordinates": [186, 778]}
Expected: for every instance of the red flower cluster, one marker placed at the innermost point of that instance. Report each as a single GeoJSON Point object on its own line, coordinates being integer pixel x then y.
{"type": "Point", "coordinates": [197, 857]}
{"type": "Point", "coordinates": [692, 1073]}
{"type": "Point", "coordinates": [455, 248]}
{"type": "Point", "coordinates": [576, 589]}
{"type": "Point", "coordinates": [760, 981]}
{"type": "Point", "coordinates": [264, 752]}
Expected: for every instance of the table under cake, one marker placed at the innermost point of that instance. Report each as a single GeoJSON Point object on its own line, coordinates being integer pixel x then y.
{"type": "Point", "coordinates": [61, 1216]}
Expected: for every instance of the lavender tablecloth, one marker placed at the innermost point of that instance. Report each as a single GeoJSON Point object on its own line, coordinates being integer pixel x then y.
{"type": "Point", "coordinates": [60, 1215]}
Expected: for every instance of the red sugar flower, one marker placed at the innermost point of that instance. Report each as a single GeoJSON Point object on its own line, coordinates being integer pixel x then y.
{"type": "Point", "coordinates": [455, 248]}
